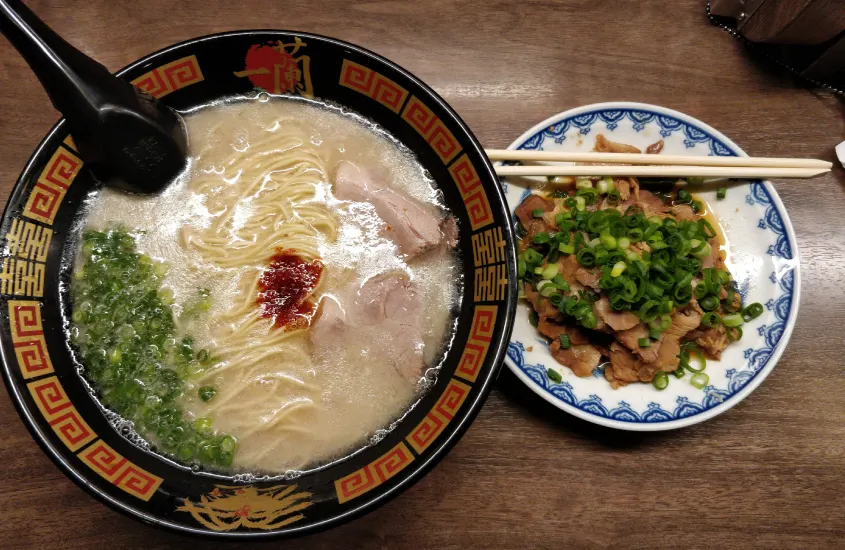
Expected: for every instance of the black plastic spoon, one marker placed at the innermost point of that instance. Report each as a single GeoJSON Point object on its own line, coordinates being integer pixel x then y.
{"type": "Point", "coordinates": [130, 140]}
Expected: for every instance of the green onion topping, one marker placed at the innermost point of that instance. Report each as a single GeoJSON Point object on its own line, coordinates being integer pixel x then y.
{"type": "Point", "coordinates": [565, 343]}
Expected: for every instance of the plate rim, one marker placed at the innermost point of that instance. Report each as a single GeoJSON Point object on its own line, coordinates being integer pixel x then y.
{"type": "Point", "coordinates": [796, 293]}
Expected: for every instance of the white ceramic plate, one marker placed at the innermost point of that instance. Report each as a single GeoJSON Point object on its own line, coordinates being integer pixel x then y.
{"type": "Point", "coordinates": [762, 256]}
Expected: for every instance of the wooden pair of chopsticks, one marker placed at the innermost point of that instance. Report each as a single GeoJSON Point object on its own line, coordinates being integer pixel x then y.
{"type": "Point", "coordinates": [644, 165]}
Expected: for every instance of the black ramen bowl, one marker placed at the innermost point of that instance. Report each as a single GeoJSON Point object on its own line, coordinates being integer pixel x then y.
{"type": "Point", "coordinates": [65, 418]}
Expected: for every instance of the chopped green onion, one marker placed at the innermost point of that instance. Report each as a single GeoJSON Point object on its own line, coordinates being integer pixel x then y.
{"type": "Point", "coordinates": [537, 212]}
{"type": "Point", "coordinates": [605, 185]}
{"type": "Point", "coordinates": [661, 323]}
{"type": "Point", "coordinates": [678, 373]}
{"type": "Point", "coordinates": [565, 343]}
{"type": "Point", "coordinates": [547, 291]}
{"type": "Point", "coordinates": [703, 252]}
{"type": "Point", "coordinates": [589, 321]}
{"type": "Point", "coordinates": [732, 320]}
{"type": "Point", "coordinates": [709, 303]}
{"type": "Point", "coordinates": [207, 392]}
{"type": "Point", "coordinates": [697, 207]}
{"type": "Point", "coordinates": [644, 342]}
{"type": "Point", "coordinates": [166, 296]}
{"type": "Point", "coordinates": [580, 203]}
{"type": "Point", "coordinates": [538, 271]}
{"type": "Point", "coordinates": [556, 299]}
{"type": "Point", "coordinates": [729, 301]}
{"type": "Point", "coordinates": [583, 183]}
{"type": "Point", "coordinates": [586, 257]}
{"type": "Point", "coordinates": [570, 202]}
{"type": "Point", "coordinates": [550, 271]}
{"type": "Point", "coordinates": [711, 319]}
{"type": "Point", "coordinates": [699, 380]}
{"type": "Point", "coordinates": [534, 319]}
{"type": "Point", "coordinates": [601, 256]}
{"type": "Point", "coordinates": [590, 195]}
{"type": "Point", "coordinates": [541, 238]}
{"type": "Point", "coordinates": [623, 243]}
{"type": "Point", "coordinates": [709, 232]}
{"type": "Point", "coordinates": [559, 219]}
{"type": "Point", "coordinates": [521, 267]}
{"type": "Point", "coordinates": [660, 381]}
{"type": "Point", "coordinates": [228, 444]}
{"type": "Point", "coordinates": [722, 193]}
{"type": "Point", "coordinates": [598, 222]}
{"type": "Point", "coordinates": [734, 333]}
{"type": "Point", "coordinates": [618, 268]}
{"type": "Point", "coordinates": [654, 334]}
{"type": "Point", "coordinates": [203, 425]}
{"type": "Point", "coordinates": [685, 357]}
{"type": "Point", "coordinates": [683, 196]}
{"type": "Point", "coordinates": [752, 312]}
{"type": "Point", "coordinates": [532, 257]}
{"type": "Point", "coordinates": [608, 241]}
{"type": "Point", "coordinates": [554, 376]}
{"type": "Point", "coordinates": [649, 310]}
{"type": "Point", "coordinates": [566, 248]}
{"type": "Point", "coordinates": [682, 293]}
{"type": "Point", "coordinates": [628, 289]}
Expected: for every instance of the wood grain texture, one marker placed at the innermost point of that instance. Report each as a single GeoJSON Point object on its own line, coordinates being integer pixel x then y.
{"type": "Point", "coordinates": [769, 473]}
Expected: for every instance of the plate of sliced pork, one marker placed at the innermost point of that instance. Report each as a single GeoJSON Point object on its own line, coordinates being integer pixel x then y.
{"type": "Point", "coordinates": [647, 303]}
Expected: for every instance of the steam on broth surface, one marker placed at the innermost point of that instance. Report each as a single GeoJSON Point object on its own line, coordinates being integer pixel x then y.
{"type": "Point", "coordinates": [308, 263]}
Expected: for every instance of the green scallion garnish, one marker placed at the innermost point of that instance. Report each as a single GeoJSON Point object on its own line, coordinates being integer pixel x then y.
{"type": "Point", "coordinates": [752, 311]}
{"type": "Point", "coordinates": [565, 343]}
{"type": "Point", "coordinates": [699, 380]}
{"type": "Point", "coordinates": [207, 392]}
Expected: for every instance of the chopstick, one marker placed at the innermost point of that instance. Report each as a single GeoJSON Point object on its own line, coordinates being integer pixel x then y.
{"type": "Point", "coordinates": [637, 158]}
{"type": "Point", "coordinates": [634, 164]}
{"type": "Point", "coordinates": [740, 172]}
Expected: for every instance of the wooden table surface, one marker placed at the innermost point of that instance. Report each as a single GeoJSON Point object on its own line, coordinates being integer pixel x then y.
{"type": "Point", "coordinates": [768, 473]}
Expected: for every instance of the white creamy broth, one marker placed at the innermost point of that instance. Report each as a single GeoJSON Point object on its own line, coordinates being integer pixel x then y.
{"type": "Point", "coordinates": [260, 179]}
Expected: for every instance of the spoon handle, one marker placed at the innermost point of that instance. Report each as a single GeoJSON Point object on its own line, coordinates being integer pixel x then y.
{"type": "Point", "coordinates": [129, 140]}
{"type": "Point", "coordinates": [66, 73]}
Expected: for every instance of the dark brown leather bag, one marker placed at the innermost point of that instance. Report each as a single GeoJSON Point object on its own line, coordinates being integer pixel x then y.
{"type": "Point", "coordinates": [806, 36]}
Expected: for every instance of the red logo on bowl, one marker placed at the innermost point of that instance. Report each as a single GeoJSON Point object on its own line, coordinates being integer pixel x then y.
{"type": "Point", "coordinates": [275, 68]}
